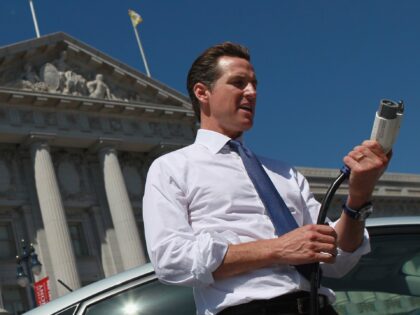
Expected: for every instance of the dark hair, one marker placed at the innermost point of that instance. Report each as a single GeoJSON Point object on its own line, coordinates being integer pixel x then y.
{"type": "Point", "coordinates": [205, 68]}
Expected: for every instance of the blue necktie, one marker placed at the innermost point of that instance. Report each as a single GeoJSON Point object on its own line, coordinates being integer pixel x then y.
{"type": "Point", "coordinates": [277, 209]}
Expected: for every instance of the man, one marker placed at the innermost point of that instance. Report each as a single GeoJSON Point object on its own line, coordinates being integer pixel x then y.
{"type": "Point", "coordinates": [206, 225]}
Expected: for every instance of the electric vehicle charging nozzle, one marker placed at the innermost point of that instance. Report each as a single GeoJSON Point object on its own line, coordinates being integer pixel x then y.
{"type": "Point", "coordinates": [387, 123]}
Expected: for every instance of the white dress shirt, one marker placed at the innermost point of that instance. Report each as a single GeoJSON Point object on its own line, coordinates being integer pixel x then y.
{"type": "Point", "coordinates": [199, 199]}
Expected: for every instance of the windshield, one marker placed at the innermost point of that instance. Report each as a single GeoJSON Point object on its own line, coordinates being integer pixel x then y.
{"type": "Point", "coordinates": [387, 280]}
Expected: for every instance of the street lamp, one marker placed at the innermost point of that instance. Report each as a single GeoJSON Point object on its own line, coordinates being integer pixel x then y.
{"type": "Point", "coordinates": [28, 265]}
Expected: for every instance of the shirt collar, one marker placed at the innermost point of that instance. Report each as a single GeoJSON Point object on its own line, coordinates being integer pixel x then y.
{"type": "Point", "coordinates": [212, 140]}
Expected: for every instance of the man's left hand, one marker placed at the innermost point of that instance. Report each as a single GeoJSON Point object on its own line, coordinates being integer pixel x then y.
{"type": "Point", "coordinates": [367, 162]}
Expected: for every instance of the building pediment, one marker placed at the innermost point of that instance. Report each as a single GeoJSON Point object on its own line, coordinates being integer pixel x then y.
{"type": "Point", "coordinates": [61, 65]}
{"type": "Point", "coordinates": [58, 86]}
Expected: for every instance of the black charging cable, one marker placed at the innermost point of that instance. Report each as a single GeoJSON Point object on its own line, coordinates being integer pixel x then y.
{"type": "Point", "coordinates": [385, 130]}
{"type": "Point", "coordinates": [322, 216]}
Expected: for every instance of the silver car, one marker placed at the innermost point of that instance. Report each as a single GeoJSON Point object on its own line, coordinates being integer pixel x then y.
{"type": "Point", "coordinates": [386, 281]}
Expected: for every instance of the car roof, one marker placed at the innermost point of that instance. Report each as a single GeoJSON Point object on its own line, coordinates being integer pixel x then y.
{"type": "Point", "coordinates": [91, 290]}
{"type": "Point", "coordinates": [392, 221]}
{"type": "Point", "coordinates": [115, 280]}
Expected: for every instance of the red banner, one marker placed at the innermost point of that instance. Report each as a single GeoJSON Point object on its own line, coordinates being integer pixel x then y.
{"type": "Point", "coordinates": [42, 291]}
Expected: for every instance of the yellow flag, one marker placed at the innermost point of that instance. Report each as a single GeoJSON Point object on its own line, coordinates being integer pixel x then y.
{"type": "Point", "coordinates": [135, 17]}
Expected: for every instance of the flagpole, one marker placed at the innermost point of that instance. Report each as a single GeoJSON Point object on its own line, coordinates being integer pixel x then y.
{"type": "Point", "coordinates": [141, 50]}
{"type": "Point", "coordinates": [34, 18]}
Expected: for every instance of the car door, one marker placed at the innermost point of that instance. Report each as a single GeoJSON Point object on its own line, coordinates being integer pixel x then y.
{"type": "Point", "coordinates": [143, 296]}
{"type": "Point", "coordinates": [387, 280]}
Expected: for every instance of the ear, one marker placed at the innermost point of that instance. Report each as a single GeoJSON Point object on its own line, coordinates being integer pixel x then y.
{"type": "Point", "coordinates": [201, 92]}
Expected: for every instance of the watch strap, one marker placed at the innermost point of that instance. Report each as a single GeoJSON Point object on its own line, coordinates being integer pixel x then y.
{"type": "Point", "coordinates": [360, 214]}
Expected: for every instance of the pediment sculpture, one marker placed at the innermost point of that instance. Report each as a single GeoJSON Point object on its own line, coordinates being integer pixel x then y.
{"type": "Point", "coordinates": [58, 77]}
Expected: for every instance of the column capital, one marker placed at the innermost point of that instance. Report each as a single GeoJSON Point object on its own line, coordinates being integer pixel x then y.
{"type": "Point", "coordinates": [40, 138]}
{"type": "Point", "coordinates": [105, 144]}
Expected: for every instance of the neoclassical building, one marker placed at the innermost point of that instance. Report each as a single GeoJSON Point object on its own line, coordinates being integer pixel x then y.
{"type": "Point", "coordinates": [78, 131]}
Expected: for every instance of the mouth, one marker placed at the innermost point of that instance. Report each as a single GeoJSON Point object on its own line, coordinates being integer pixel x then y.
{"type": "Point", "coordinates": [247, 107]}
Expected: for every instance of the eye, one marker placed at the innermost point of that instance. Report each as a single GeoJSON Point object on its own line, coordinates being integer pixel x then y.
{"type": "Point", "coordinates": [255, 83]}
{"type": "Point", "coordinates": [239, 83]}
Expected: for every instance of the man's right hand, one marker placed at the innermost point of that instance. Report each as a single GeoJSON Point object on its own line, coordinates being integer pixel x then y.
{"type": "Point", "coordinates": [304, 245]}
{"type": "Point", "coordinates": [307, 244]}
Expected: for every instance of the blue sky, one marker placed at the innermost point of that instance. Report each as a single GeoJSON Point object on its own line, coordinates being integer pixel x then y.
{"type": "Point", "coordinates": [322, 66]}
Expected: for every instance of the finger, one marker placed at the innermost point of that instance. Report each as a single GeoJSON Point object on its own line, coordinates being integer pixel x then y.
{"type": "Point", "coordinates": [364, 154]}
{"type": "Point", "coordinates": [350, 162]}
{"type": "Point", "coordinates": [356, 155]}
{"type": "Point", "coordinates": [363, 151]}
{"type": "Point", "coordinates": [326, 258]}
{"type": "Point", "coordinates": [321, 234]}
{"type": "Point", "coordinates": [373, 158]}
{"type": "Point", "coordinates": [374, 146]}
{"type": "Point", "coordinates": [318, 257]}
{"type": "Point", "coordinates": [327, 248]}
{"type": "Point", "coordinates": [320, 228]}
{"type": "Point", "coordinates": [319, 238]}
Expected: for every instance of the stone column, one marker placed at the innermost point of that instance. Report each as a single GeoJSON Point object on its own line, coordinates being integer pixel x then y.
{"type": "Point", "coordinates": [107, 257]}
{"type": "Point", "coordinates": [128, 237]}
{"type": "Point", "coordinates": [54, 217]}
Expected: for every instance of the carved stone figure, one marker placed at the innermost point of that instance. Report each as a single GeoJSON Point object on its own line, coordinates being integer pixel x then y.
{"type": "Point", "coordinates": [30, 80]}
{"type": "Point", "coordinates": [70, 82]}
{"type": "Point", "coordinates": [50, 75]}
{"type": "Point", "coordinates": [30, 74]}
{"type": "Point", "coordinates": [98, 88]}
{"type": "Point", "coordinates": [60, 63]}
{"type": "Point", "coordinates": [75, 84]}
{"type": "Point", "coordinates": [58, 76]}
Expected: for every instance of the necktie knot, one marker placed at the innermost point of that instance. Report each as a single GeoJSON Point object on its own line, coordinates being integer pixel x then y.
{"type": "Point", "coordinates": [234, 144]}
{"type": "Point", "coordinates": [237, 146]}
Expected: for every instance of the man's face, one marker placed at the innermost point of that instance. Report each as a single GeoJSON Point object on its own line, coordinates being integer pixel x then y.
{"type": "Point", "coordinates": [228, 106]}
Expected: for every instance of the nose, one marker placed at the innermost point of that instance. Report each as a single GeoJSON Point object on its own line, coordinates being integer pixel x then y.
{"type": "Point", "coordinates": [250, 91]}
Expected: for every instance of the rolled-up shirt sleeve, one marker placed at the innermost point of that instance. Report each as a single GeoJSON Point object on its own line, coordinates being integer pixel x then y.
{"type": "Point", "coordinates": [178, 254]}
{"type": "Point", "coordinates": [345, 261]}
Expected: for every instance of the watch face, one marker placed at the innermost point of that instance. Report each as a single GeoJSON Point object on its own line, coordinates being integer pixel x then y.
{"type": "Point", "coordinates": [360, 215]}
{"type": "Point", "coordinates": [364, 213]}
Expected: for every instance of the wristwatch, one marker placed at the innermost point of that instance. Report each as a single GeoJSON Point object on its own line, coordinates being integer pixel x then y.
{"type": "Point", "coordinates": [360, 214]}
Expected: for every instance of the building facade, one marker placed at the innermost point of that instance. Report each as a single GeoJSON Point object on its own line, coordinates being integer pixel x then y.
{"type": "Point", "coordinates": [78, 131]}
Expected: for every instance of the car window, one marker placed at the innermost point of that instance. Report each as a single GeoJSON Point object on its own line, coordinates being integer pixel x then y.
{"type": "Point", "coordinates": [152, 298]}
{"type": "Point", "coordinates": [387, 280]}
{"type": "Point", "coordinates": [69, 311]}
